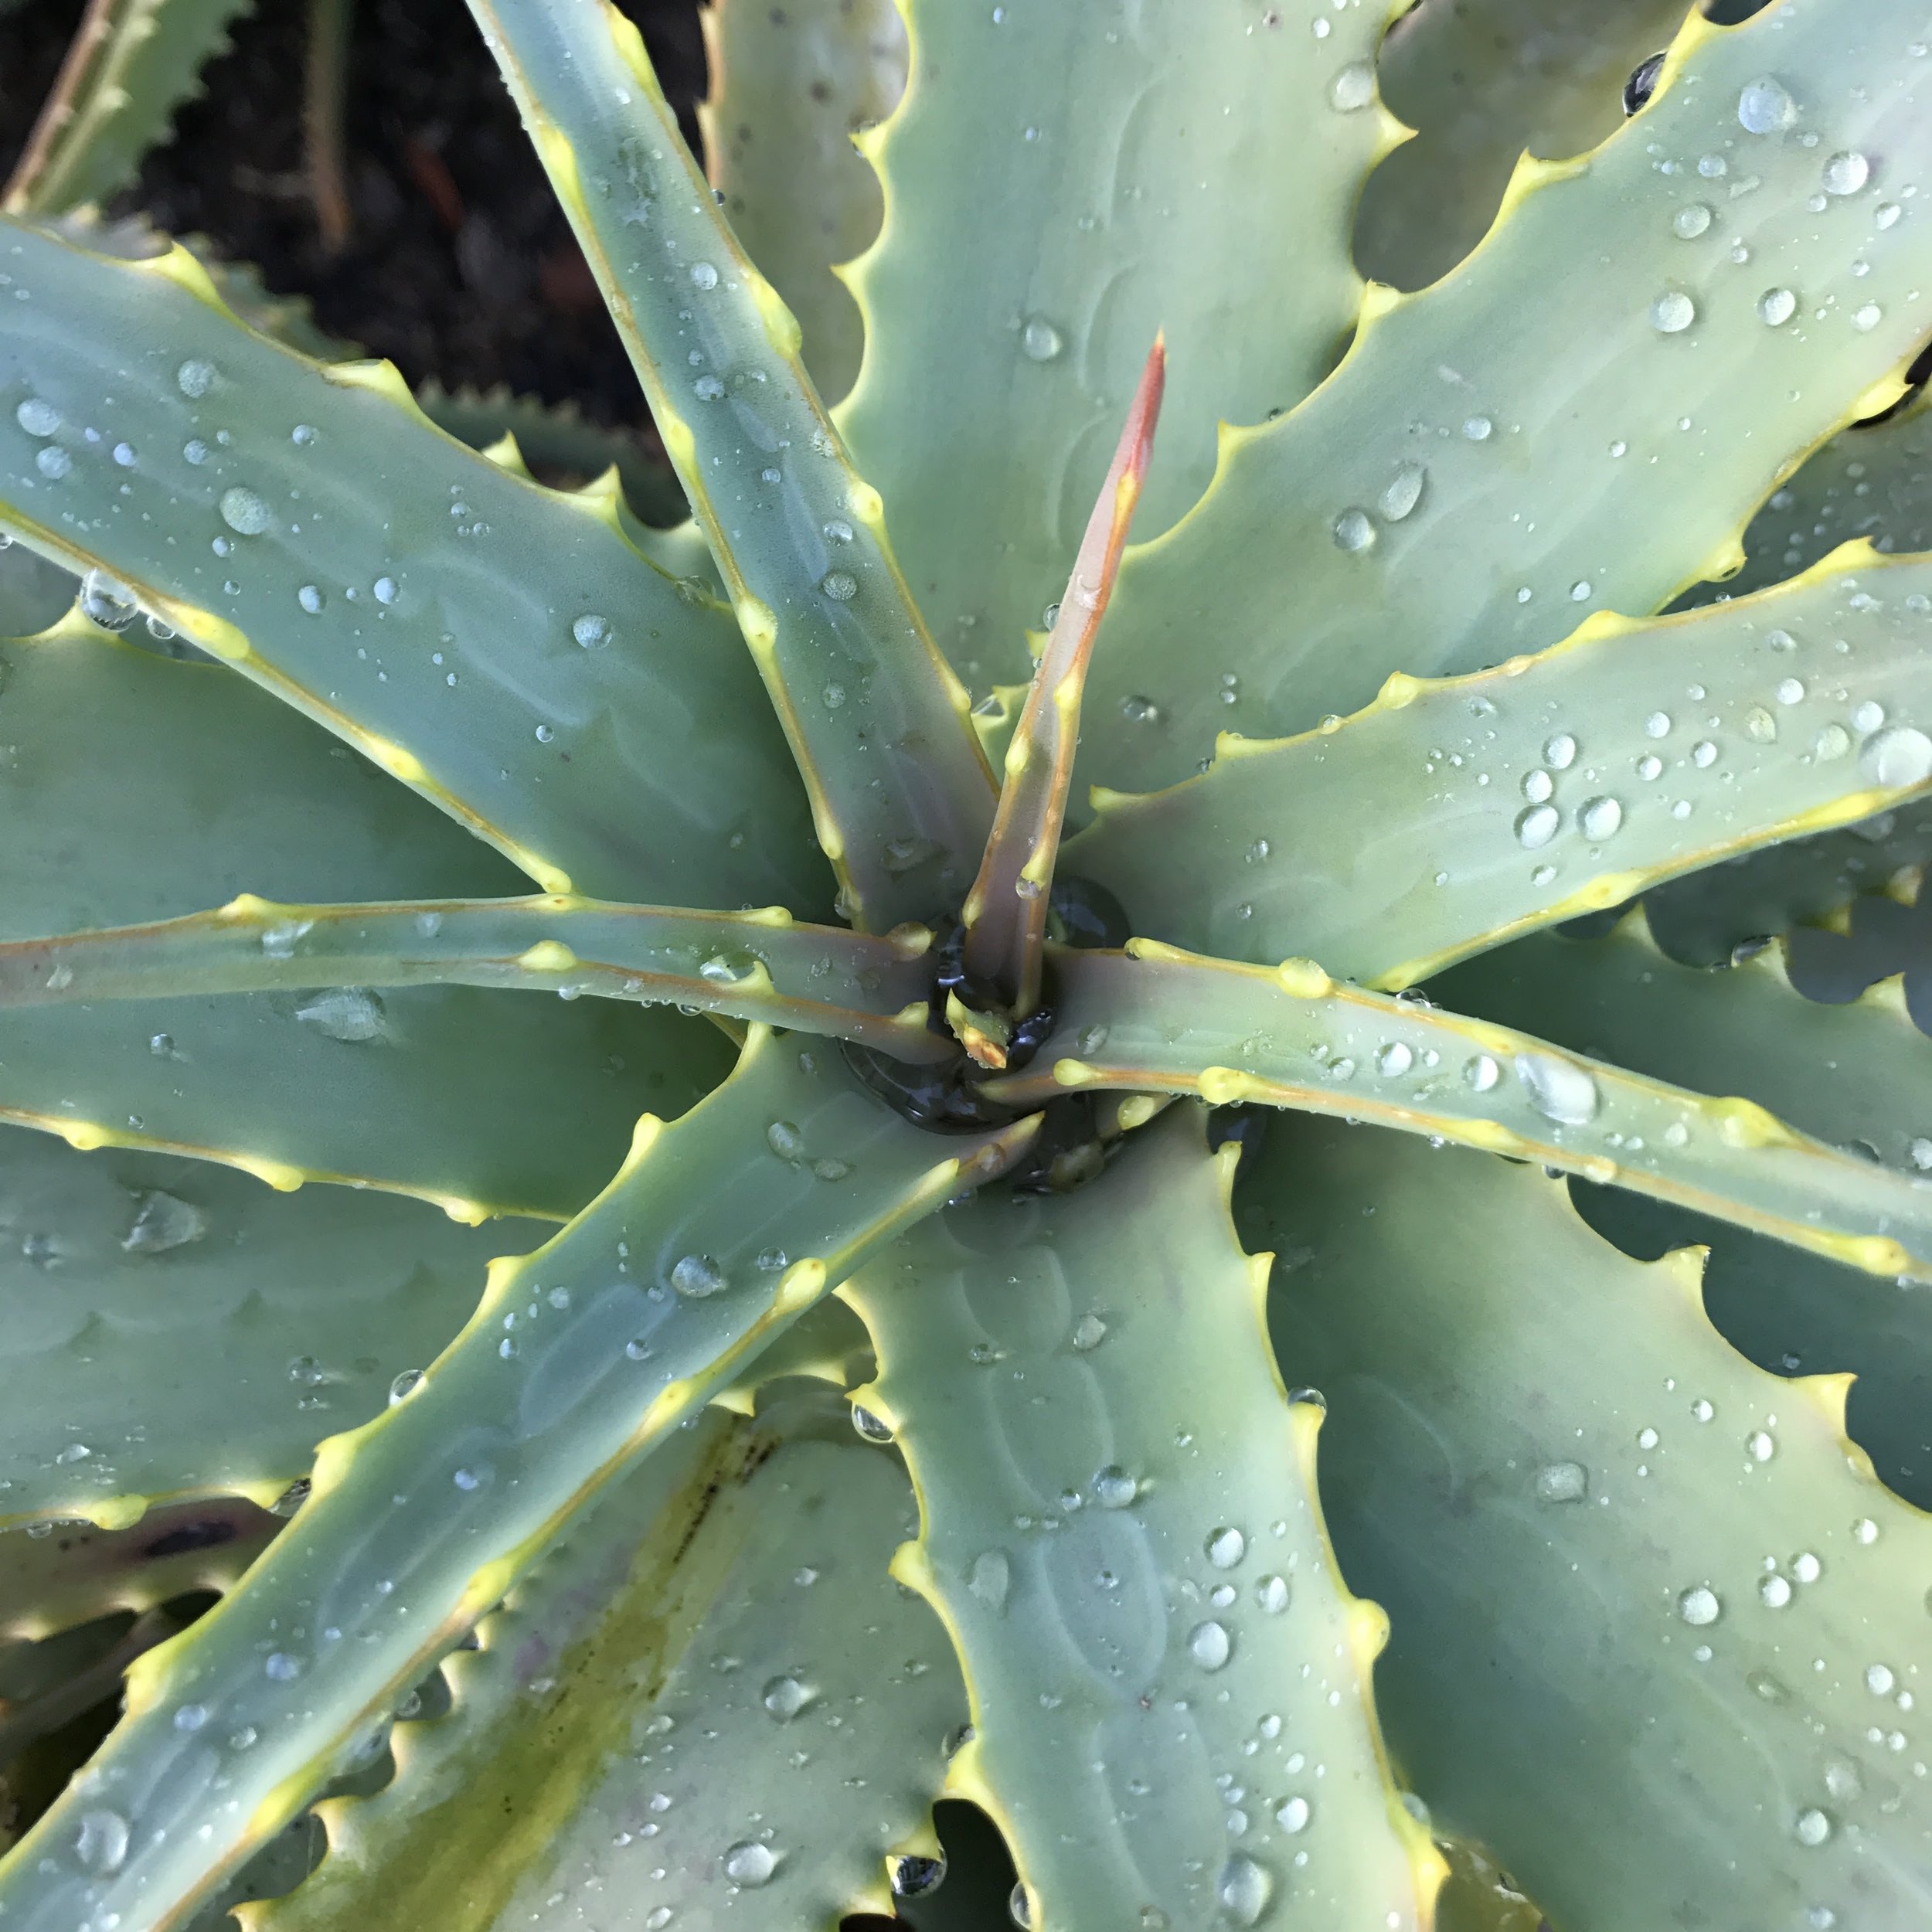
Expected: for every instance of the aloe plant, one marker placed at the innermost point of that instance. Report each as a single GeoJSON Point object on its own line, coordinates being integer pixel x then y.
{"type": "Point", "coordinates": [958, 1023]}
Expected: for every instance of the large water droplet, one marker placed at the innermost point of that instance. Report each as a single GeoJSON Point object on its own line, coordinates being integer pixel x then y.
{"type": "Point", "coordinates": [1563, 1482]}
{"type": "Point", "coordinates": [1764, 107]}
{"type": "Point", "coordinates": [1813, 1827]}
{"type": "Point", "coordinates": [1209, 1644]}
{"type": "Point", "coordinates": [1536, 825]}
{"type": "Point", "coordinates": [1673, 312]}
{"type": "Point", "coordinates": [1353, 88]}
{"type": "Point", "coordinates": [107, 602]}
{"type": "Point", "coordinates": [1699, 1606]}
{"type": "Point", "coordinates": [352, 1013]}
{"type": "Point", "coordinates": [245, 511]}
{"type": "Point", "coordinates": [1901, 755]}
{"type": "Point", "coordinates": [194, 378]}
{"type": "Point", "coordinates": [102, 1844]}
{"type": "Point", "coordinates": [1601, 817]}
{"type": "Point", "coordinates": [749, 1862]}
{"type": "Point", "coordinates": [162, 1222]}
{"type": "Point", "coordinates": [1354, 530]}
{"type": "Point", "coordinates": [1244, 1889]}
{"type": "Point", "coordinates": [696, 1276]}
{"type": "Point", "coordinates": [1226, 1548]}
{"type": "Point", "coordinates": [841, 586]}
{"type": "Point", "coordinates": [1404, 491]}
{"type": "Point", "coordinates": [1776, 307]}
{"type": "Point", "coordinates": [1690, 221]}
{"type": "Point", "coordinates": [912, 1877]}
{"type": "Point", "coordinates": [784, 1697]}
{"type": "Point", "coordinates": [591, 631]}
{"type": "Point", "coordinates": [1292, 1814]}
{"type": "Point", "coordinates": [37, 417]}
{"type": "Point", "coordinates": [1845, 174]}
{"type": "Point", "coordinates": [1558, 1089]}
{"type": "Point", "coordinates": [1115, 1487]}
{"type": "Point", "coordinates": [990, 1577]}
{"type": "Point", "coordinates": [1039, 340]}
{"type": "Point", "coordinates": [873, 1427]}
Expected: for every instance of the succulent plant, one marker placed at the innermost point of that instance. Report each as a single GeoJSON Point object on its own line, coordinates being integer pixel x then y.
{"type": "Point", "coordinates": [1032, 1062]}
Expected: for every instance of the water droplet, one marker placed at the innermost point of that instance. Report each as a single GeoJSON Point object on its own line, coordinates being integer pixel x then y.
{"type": "Point", "coordinates": [1898, 756]}
{"type": "Point", "coordinates": [310, 597]}
{"type": "Point", "coordinates": [1690, 221]}
{"type": "Point", "coordinates": [1642, 82]}
{"type": "Point", "coordinates": [1760, 1445]}
{"type": "Point", "coordinates": [1879, 1680]}
{"type": "Point", "coordinates": [1272, 1593]}
{"type": "Point", "coordinates": [1845, 174]}
{"type": "Point", "coordinates": [1226, 1547]}
{"type": "Point", "coordinates": [1790, 691]}
{"type": "Point", "coordinates": [1020, 1907]}
{"type": "Point", "coordinates": [785, 1141]}
{"type": "Point", "coordinates": [107, 602]}
{"type": "Point", "coordinates": [1478, 429]}
{"type": "Point", "coordinates": [707, 388]}
{"type": "Point", "coordinates": [989, 1578]}
{"type": "Point", "coordinates": [841, 586]}
{"type": "Point", "coordinates": [53, 462]}
{"type": "Point", "coordinates": [102, 1842]}
{"type": "Point", "coordinates": [244, 511]}
{"type": "Point", "coordinates": [1560, 753]}
{"type": "Point", "coordinates": [1209, 1644]}
{"type": "Point", "coordinates": [1039, 340]}
{"type": "Point", "coordinates": [1776, 307]}
{"type": "Point", "coordinates": [696, 1276]}
{"type": "Point", "coordinates": [191, 1717]}
{"type": "Point", "coordinates": [1813, 1826]}
{"type": "Point", "coordinates": [1394, 1060]}
{"type": "Point", "coordinates": [468, 1479]}
{"type": "Point", "coordinates": [1562, 1482]}
{"type": "Point", "coordinates": [1090, 1331]}
{"type": "Point", "coordinates": [592, 630]}
{"type": "Point", "coordinates": [1536, 826]}
{"type": "Point", "coordinates": [1558, 1089]}
{"type": "Point", "coordinates": [912, 1877]}
{"type": "Point", "coordinates": [1353, 88]}
{"type": "Point", "coordinates": [352, 1013]}
{"type": "Point", "coordinates": [1673, 312]}
{"type": "Point", "coordinates": [1244, 1889]}
{"type": "Point", "coordinates": [749, 1862]}
{"type": "Point", "coordinates": [1866, 319]}
{"type": "Point", "coordinates": [1292, 1814]}
{"type": "Point", "coordinates": [1764, 107]}
{"type": "Point", "coordinates": [1581, 590]}
{"type": "Point", "coordinates": [1538, 785]}
{"type": "Point", "coordinates": [1833, 741]}
{"type": "Point", "coordinates": [785, 1697]}
{"type": "Point", "coordinates": [162, 1222]}
{"type": "Point", "coordinates": [405, 1385]}
{"type": "Point", "coordinates": [1115, 1487]}
{"type": "Point", "coordinates": [283, 1668]}
{"type": "Point", "coordinates": [1481, 1073]}
{"type": "Point", "coordinates": [703, 275]}
{"type": "Point", "coordinates": [1601, 817]}
{"type": "Point", "coordinates": [1354, 530]}
{"type": "Point", "coordinates": [1650, 765]}
{"type": "Point", "coordinates": [1775, 1592]}
{"type": "Point", "coordinates": [37, 417]}
{"type": "Point", "coordinates": [194, 378]}
{"type": "Point", "coordinates": [838, 530]}
{"type": "Point", "coordinates": [722, 970]}
{"type": "Point", "coordinates": [1404, 491]}
{"type": "Point", "coordinates": [873, 1428]}
{"type": "Point", "coordinates": [1699, 1606]}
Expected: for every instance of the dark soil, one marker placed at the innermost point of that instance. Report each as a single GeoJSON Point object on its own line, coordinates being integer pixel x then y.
{"type": "Point", "coordinates": [459, 266]}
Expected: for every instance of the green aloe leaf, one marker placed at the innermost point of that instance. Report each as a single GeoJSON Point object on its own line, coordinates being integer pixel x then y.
{"type": "Point", "coordinates": [53, 1577]}
{"type": "Point", "coordinates": [790, 87]}
{"type": "Point", "coordinates": [901, 796]}
{"type": "Point", "coordinates": [484, 1101]}
{"type": "Point", "coordinates": [1657, 1630]}
{"type": "Point", "coordinates": [1081, 181]}
{"type": "Point", "coordinates": [34, 594]}
{"type": "Point", "coordinates": [1468, 487]}
{"type": "Point", "coordinates": [752, 966]}
{"type": "Point", "coordinates": [1483, 82]}
{"type": "Point", "coordinates": [125, 1276]}
{"type": "Point", "coordinates": [479, 636]}
{"type": "Point", "coordinates": [734, 1713]}
{"type": "Point", "coordinates": [828, 1343]}
{"type": "Point", "coordinates": [718, 1232]}
{"type": "Point", "coordinates": [1155, 1018]}
{"type": "Point", "coordinates": [1744, 1029]}
{"type": "Point", "coordinates": [1119, 1525]}
{"type": "Point", "coordinates": [132, 63]}
{"type": "Point", "coordinates": [1447, 817]}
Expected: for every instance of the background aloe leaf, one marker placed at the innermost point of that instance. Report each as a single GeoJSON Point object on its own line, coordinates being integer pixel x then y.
{"type": "Point", "coordinates": [55, 1575]}
{"type": "Point", "coordinates": [733, 1712]}
{"type": "Point", "coordinates": [1853, 1072]}
{"type": "Point", "coordinates": [1482, 82]}
{"type": "Point", "coordinates": [34, 593]}
{"type": "Point", "coordinates": [718, 1231]}
{"type": "Point", "coordinates": [424, 563]}
{"type": "Point", "coordinates": [827, 1343]}
{"type": "Point", "coordinates": [901, 797]}
{"type": "Point", "coordinates": [1467, 487]}
{"type": "Point", "coordinates": [1872, 482]}
{"type": "Point", "coordinates": [790, 87]}
{"type": "Point", "coordinates": [1447, 816]}
{"type": "Point", "coordinates": [1657, 1630]}
{"type": "Point", "coordinates": [1152, 1018]}
{"type": "Point", "coordinates": [1120, 1528]}
{"type": "Point", "coordinates": [751, 966]}
{"type": "Point", "coordinates": [167, 1327]}
{"type": "Point", "coordinates": [1194, 170]}
{"type": "Point", "coordinates": [131, 64]}
{"type": "Point", "coordinates": [486, 1101]}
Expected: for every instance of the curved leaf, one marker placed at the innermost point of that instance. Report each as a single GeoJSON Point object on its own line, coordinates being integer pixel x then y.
{"type": "Point", "coordinates": [1469, 484]}
{"type": "Point", "coordinates": [718, 1231]}
{"type": "Point", "coordinates": [167, 1328]}
{"type": "Point", "coordinates": [1448, 817]}
{"type": "Point", "coordinates": [901, 797]}
{"type": "Point", "coordinates": [1658, 1632]}
{"type": "Point", "coordinates": [1152, 1018]}
{"type": "Point", "coordinates": [1482, 82]}
{"type": "Point", "coordinates": [716, 1706]}
{"type": "Point", "coordinates": [454, 622]}
{"type": "Point", "coordinates": [790, 87]}
{"type": "Point", "coordinates": [481, 1101]}
{"type": "Point", "coordinates": [1120, 1528]}
{"type": "Point", "coordinates": [1061, 182]}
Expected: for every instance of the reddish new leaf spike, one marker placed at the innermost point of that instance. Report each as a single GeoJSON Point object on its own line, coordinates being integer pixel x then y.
{"type": "Point", "coordinates": [1005, 913]}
